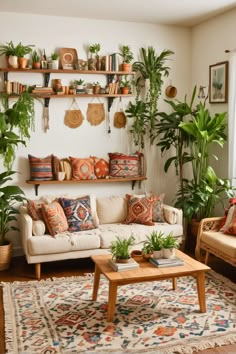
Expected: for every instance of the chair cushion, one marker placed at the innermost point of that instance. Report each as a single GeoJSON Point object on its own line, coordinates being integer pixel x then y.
{"type": "Point", "coordinates": [221, 242]}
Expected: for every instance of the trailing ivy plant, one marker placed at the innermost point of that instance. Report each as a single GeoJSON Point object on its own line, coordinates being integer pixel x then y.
{"type": "Point", "coordinates": [16, 122]}
{"type": "Point", "coordinates": [151, 67]}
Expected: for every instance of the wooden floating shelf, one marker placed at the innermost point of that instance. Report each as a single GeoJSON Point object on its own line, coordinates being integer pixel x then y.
{"type": "Point", "coordinates": [81, 181]}
{"type": "Point", "coordinates": [68, 71]}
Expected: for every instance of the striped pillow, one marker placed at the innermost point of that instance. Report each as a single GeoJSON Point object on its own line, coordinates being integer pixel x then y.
{"type": "Point", "coordinates": [40, 168]}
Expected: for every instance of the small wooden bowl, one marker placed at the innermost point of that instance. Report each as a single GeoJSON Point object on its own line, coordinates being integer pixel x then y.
{"type": "Point", "coordinates": [137, 256]}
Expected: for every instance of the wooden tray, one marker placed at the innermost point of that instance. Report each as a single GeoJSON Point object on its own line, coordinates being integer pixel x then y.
{"type": "Point", "coordinates": [68, 57]}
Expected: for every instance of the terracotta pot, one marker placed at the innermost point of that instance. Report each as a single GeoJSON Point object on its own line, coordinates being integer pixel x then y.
{"type": "Point", "coordinates": [126, 67]}
{"type": "Point", "coordinates": [122, 260]}
{"type": "Point", "coordinates": [124, 90]}
{"type": "Point", "coordinates": [5, 256]}
{"type": "Point", "coordinates": [96, 89]}
{"type": "Point", "coordinates": [22, 62]}
{"type": "Point", "coordinates": [36, 65]}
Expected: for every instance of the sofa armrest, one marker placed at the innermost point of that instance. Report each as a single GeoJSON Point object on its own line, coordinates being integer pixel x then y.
{"type": "Point", "coordinates": [177, 212]}
{"type": "Point", "coordinates": [26, 224]}
{"type": "Point", "coordinates": [207, 224]}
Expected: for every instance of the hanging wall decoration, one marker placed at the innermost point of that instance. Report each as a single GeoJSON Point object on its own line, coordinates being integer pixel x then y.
{"type": "Point", "coordinates": [73, 116]}
{"type": "Point", "coordinates": [119, 116]}
{"type": "Point", "coordinates": [95, 113]}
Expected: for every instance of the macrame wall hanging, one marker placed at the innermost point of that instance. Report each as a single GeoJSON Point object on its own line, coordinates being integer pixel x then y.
{"type": "Point", "coordinates": [73, 116]}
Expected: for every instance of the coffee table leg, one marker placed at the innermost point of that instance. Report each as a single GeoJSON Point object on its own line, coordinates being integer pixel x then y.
{"type": "Point", "coordinates": [201, 291]}
{"type": "Point", "coordinates": [111, 301]}
{"type": "Point", "coordinates": [96, 283]}
{"type": "Point", "coordinates": [174, 283]}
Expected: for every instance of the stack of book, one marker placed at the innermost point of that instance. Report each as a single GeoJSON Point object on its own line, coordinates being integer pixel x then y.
{"type": "Point", "coordinates": [131, 264]}
{"type": "Point", "coordinates": [166, 262]}
{"type": "Point", "coordinates": [42, 90]}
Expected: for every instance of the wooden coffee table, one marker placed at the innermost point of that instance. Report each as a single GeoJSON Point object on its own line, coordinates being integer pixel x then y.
{"type": "Point", "coordinates": [147, 272]}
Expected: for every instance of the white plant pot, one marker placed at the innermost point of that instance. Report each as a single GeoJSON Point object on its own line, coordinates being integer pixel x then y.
{"type": "Point", "coordinates": [168, 252]}
{"type": "Point", "coordinates": [13, 61]}
{"type": "Point", "coordinates": [157, 254]}
{"type": "Point", "coordinates": [55, 64]}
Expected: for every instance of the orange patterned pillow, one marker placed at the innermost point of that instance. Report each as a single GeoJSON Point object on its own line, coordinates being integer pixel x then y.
{"type": "Point", "coordinates": [139, 210]}
{"type": "Point", "coordinates": [54, 218]}
{"type": "Point", "coordinates": [82, 168]}
{"type": "Point", "coordinates": [231, 229]}
{"type": "Point", "coordinates": [101, 167]}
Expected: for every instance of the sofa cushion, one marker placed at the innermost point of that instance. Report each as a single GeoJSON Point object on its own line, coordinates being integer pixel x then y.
{"type": "Point", "coordinates": [158, 212]}
{"type": "Point", "coordinates": [230, 224]}
{"type": "Point", "coordinates": [34, 209]}
{"type": "Point", "coordinates": [227, 220]}
{"type": "Point", "coordinates": [54, 218]}
{"type": "Point", "coordinates": [78, 213]}
{"type": "Point", "coordinates": [111, 209]}
{"type": "Point", "coordinates": [170, 214]}
{"type": "Point", "coordinates": [139, 210]}
{"type": "Point", "coordinates": [82, 168]}
{"type": "Point", "coordinates": [220, 241]}
{"type": "Point", "coordinates": [40, 168]}
{"type": "Point", "coordinates": [64, 242]}
{"type": "Point", "coordinates": [109, 232]}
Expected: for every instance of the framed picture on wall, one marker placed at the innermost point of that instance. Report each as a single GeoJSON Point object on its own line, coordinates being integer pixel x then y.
{"type": "Point", "coordinates": [218, 82]}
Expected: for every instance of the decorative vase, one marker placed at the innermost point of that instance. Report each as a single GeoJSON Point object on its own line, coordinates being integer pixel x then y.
{"type": "Point", "coordinates": [96, 89]}
{"type": "Point", "coordinates": [57, 85]}
{"type": "Point", "coordinates": [168, 252]}
{"type": "Point", "coordinates": [157, 254]}
{"type": "Point", "coordinates": [13, 61]}
{"type": "Point", "coordinates": [5, 256]}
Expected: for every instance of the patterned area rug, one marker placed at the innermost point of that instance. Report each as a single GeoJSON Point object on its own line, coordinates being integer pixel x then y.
{"type": "Point", "coordinates": [58, 316]}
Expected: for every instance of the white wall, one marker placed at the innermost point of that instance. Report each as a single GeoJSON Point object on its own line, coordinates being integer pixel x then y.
{"type": "Point", "coordinates": [53, 33]}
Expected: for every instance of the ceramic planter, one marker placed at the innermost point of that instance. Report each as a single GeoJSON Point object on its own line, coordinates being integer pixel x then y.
{"type": "Point", "coordinates": [168, 252]}
{"type": "Point", "coordinates": [55, 64]}
{"type": "Point", "coordinates": [13, 61]}
{"type": "Point", "coordinates": [157, 254]}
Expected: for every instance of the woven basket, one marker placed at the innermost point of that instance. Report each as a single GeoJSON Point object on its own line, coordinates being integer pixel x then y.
{"type": "Point", "coordinates": [5, 256]}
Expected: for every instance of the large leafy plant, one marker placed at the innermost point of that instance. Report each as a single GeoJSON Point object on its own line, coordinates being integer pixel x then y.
{"type": "Point", "coordinates": [9, 195]}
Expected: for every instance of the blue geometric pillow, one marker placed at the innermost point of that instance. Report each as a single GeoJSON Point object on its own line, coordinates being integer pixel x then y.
{"type": "Point", "coordinates": [78, 213]}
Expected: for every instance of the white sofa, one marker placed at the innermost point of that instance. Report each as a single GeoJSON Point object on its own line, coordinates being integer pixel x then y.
{"type": "Point", "coordinates": [109, 213]}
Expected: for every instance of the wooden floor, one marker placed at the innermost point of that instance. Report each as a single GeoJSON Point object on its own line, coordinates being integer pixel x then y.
{"type": "Point", "coordinates": [22, 271]}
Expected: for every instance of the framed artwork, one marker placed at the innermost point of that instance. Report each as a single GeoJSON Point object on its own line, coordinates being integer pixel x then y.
{"type": "Point", "coordinates": [218, 82]}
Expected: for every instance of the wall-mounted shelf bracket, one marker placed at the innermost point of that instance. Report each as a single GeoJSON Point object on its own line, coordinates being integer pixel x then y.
{"type": "Point", "coordinates": [46, 79]}
{"type": "Point", "coordinates": [5, 75]}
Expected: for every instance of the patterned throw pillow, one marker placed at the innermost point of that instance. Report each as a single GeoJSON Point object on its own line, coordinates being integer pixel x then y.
{"type": "Point", "coordinates": [54, 218]}
{"type": "Point", "coordinates": [101, 167]}
{"type": "Point", "coordinates": [230, 225]}
{"type": "Point", "coordinates": [122, 165]}
{"type": "Point", "coordinates": [40, 168]}
{"type": "Point", "coordinates": [78, 213]}
{"type": "Point", "coordinates": [139, 210]}
{"type": "Point", "coordinates": [158, 211]}
{"type": "Point", "coordinates": [34, 210]}
{"type": "Point", "coordinates": [82, 168]}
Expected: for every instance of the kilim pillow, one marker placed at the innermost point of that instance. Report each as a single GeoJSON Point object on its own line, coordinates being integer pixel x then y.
{"type": "Point", "coordinates": [101, 167]}
{"type": "Point", "coordinates": [139, 210]}
{"type": "Point", "coordinates": [54, 218]}
{"type": "Point", "coordinates": [122, 165]}
{"type": "Point", "coordinates": [78, 213]}
{"type": "Point", "coordinates": [40, 168]}
{"type": "Point", "coordinates": [82, 168]}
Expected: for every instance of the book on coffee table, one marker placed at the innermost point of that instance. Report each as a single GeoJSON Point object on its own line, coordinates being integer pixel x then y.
{"type": "Point", "coordinates": [131, 264]}
{"type": "Point", "coordinates": [166, 262]}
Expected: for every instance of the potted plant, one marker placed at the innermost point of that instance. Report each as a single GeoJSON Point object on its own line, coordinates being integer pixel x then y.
{"type": "Point", "coordinates": [9, 195]}
{"type": "Point", "coordinates": [55, 61]}
{"type": "Point", "coordinates": [94, 63]}
{"type": "Point", "coordinates": [35, 59]}
{"type": "Point", "coordinates": [127, 55]}
{"type": "Point", "coordinates": [15, 125]}
{"type": "Point", "coordinates": [79, 84]}
{"type": "Point", "coordinates": [154, 244]}
{"type": "Point", "coordinates": [120, 248]}
{"type": "Point", "coordinates": [96, 87]}
{"type": "Point", "coordinates": [20, 51]}
{"type": "Point", "coordinates": [169, 244]}
{"type": "Point", "coordinates": [125, 85]}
